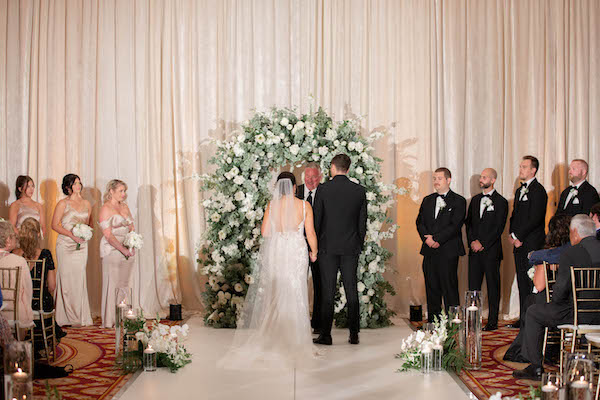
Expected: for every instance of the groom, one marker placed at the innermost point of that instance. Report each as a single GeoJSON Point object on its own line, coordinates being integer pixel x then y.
{"type": "Point", "coordinates": [341, 224]}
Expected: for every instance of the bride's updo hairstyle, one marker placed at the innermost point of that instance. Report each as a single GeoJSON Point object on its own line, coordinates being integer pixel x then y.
{"type": "Point", "coordinates": [287, 175]}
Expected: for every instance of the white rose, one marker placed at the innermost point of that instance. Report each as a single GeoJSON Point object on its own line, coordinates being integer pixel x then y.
{"type": "Point", "coordinates": [276, 139]}
{"type": "Point", "coordinates": [254, 177]}
{"type": "Point", "coordinates": [351, 146]}
{"type": "Point", "coordinates": [336, 143]}
{"type": "Point", "coordinates": [299, 125]}
{"type": "Point", "coordinates": [260, 138]}
{"type": "Point", "coordinates": [215, 217]}
{"type": "Point", "coordinates": [294, 149]}
{"type": "Point", "coordinates": [370, 292]}
{"type": "Point", "coordinates": [289, 127]}
{"type": "Point", "coordinates": [284, 121]}
{"type": "Point", "coordinates": [249, 279]}
{"type": "Point", "coordinates": [241, 138]}
{"type": "Point", "coordinates": [229, 160]}
{"type": "Point", "coordinates": [269, 155]}
{"type": "Point", "coordinates": [238, 180]}
{"type": "Point", "coordinates": [238, 287]}
{"type": "Point", "coordinates": [359, 147]}
{"type": "Point", "coordinates": [359, 170]}
{"type": "Point", "coordinates": [365, 299]}
{"type": "Point", "coordinates": [361, 287]}
{"type": "Point", "coordinates": [222, 235]}
{"type": "Point", "coordinates": [371, 196]}
{"type": "Point", "coordinates": [287, 144]}
{"type": "Point", "coordinates": [238, 150]}
{"type": "Point", "coordinates": [330, 134]}
{"type": "Point", "coordinates": [239, 196]}
{"type": "Point", "coordinates": [323, 150]}
{"type": "Point", "coordinates": [315, 157]}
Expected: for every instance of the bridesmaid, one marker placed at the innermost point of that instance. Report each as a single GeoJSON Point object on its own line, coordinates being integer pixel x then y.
{"type": "Point", "coordinates": [117, 260]}
{"type": "Point", "coordinates": [25, 206]}
{"type": "Point", "coordinates": [72, 303]}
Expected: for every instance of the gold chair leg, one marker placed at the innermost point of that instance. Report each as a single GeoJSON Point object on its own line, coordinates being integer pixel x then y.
{"type": "Point", "coordinates": [562, 347]}
{"type": "Point", "coordinates": [45, 338]}
{"type": "Point", "coordinates": [545, 344]}
{"type": "Point", "coordinates": [53, 339]}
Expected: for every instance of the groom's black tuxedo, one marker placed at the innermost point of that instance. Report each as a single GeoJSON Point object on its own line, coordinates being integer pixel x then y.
{"type": "Point", "coordinates": [440, 265]}
{"type": "Point", "coordinates": [315, 321]}
{"type": "Point", "coordinates": [487, 229]}
{"type": "Point", "coordinates": [586, 197]}
{"type": "Point", "coordinates": [341, 224]}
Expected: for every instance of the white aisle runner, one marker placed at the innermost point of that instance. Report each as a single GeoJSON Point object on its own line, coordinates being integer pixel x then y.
{"type": "Point", "coordinates": [366, 371]}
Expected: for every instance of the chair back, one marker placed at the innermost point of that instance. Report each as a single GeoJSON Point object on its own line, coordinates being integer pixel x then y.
{"type": "Point", "coordinates": [585, 284]}
{"type": "Point", "coordinates": [37, 281]}
{"type": "Point", "coordinates": [550, 279]}
{"type": "Point", "coordinates": [10, 282]}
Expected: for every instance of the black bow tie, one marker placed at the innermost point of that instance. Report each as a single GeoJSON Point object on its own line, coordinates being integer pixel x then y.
{"type": "Point", "coordinates": [523, 184]}
{"type": "Point", "coordinates": [443, 196]}
{"type": "Point", "coordinates": [573, 188]}
{"type": "Point", "coordinates": [489, 196]}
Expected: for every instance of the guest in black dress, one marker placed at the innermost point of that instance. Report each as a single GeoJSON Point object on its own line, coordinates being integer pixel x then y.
{"type": "Point", "coordinates": [557, 241]}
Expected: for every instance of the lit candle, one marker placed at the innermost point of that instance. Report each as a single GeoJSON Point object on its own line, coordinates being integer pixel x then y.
{"type": "Point", "coordinates": [456, 320]}
{"type": "Point", "coordinates": [20, 376]}
{"type": "Point", "coordinates": [582, 384]}
{"type": "Point", "coordinates": [122, 304]}
{"type": "Point", "coordinates": [472, 308]}
{"type": "Point", "coordinates": [548, 388]}
{"type": "Point", "coordinates": [130, 315]}
{"type": "Point", "coordinates": [149, 350]}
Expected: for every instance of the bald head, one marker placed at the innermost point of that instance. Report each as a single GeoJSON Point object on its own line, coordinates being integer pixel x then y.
{"type": "Point", "coordinates": [487, 179]}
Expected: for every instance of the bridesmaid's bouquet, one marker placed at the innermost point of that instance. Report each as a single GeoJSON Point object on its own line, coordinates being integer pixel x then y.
{"type": "Point", "coordinates": [82, 231]}
{"type": "Point", "coordinates": [133, 240]}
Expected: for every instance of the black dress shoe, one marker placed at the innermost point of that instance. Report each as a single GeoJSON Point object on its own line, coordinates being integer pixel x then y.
{"type": "Point", "coordinates": [531, 372]}
{"type": "Point", "coordinates": [490, 327]}
{"type": "Point", "coordinates": [353, 339]}
{"type": "Point", "coordinates": [322, 339]}
{"type": "Point", "coordinates": [514, 325]}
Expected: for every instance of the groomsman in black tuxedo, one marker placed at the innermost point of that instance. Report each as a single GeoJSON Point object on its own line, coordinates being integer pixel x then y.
{"type": "Point", "coordinates": [308, 192]}
{"type": "Point", "coordinates": [527, 225]}
{"type": "Point", "coordinates": [595, 215]}
{"type": "Point", "coordinates": [485, 223]}
{"type": "Point", "coordinates": [580, 196]}
{"type": "Point", "coordinates": [341, 225]}
{"type": "Point", "coordinates": [439, 223]}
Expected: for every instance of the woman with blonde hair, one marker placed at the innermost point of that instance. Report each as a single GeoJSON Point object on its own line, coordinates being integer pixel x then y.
{"type": "Point", "coordinates": [72, 303]}
{"type": "Point", "coordinates": [117, 260]}
{"type": "Point", "coordinates": [29, 241]}
{"type": "Point", "coordinates": [25, 207]}
{"type": "Point", "coordinates": [8, 242]}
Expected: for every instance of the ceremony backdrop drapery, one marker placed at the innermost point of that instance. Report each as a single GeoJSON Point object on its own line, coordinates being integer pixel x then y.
{"type": "Point", "coordinates": [135, 89]}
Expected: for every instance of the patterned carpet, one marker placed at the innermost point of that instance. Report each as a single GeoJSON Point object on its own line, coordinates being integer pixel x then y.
{"type": "Point", "coordinates": [91, 352]}
{"type": "Point", "coordinates": [495, 374]}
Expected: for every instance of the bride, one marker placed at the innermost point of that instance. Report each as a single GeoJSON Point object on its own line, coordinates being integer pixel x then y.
{"type": "Point", "coordinates": [273, 326]}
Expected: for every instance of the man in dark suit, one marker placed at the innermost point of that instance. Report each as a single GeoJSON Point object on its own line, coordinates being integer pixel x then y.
{"type": "Point", "coordinates": [341, 226]}
{"type": "Point", "coordinates": [485, 223]}
{"type": "Point", "coordinates": [585, 252]}
{"type": "Point", "coordinates": [527, 225]}
{"type": "Point", "coordinates": [439, 223]}
{"type": "Point", "coordinates": [595, 215]}
{"type": "Point", "coordinates": [308, 192]}
{"type": "Point", "coordinates": [580, 196]}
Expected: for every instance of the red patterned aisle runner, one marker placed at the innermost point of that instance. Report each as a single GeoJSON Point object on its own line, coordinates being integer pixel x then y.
{"type": "Point", "coordinates": [91, 351]}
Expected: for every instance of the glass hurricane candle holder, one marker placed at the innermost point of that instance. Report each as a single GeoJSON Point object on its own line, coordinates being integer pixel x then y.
{"type": "Point", "coordinates": [551, 384]}
{"type": "Point", "coordinates": [426, 359]}
{"type": "Point", "coordinates": [123, 298]}
{"type": "Point", "coordinates": [579, 379]}
{"type": "Point", "coordinates": [438, 352]}
{"type": "Point", "coordinates": [149, 359]}
{"type": "Point", "coordinates": [18, 370]}
{"type": "Point", "coordinates": [473, 328]}
{"type": "Point", "coordinates": [455, 315]}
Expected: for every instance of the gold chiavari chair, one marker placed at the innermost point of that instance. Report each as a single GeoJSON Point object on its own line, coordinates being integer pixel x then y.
{"type": "Point", "coordinates": [47, 331]}
{"type": "Point", "coordinates": [10, 283]}
{"type": "Point", "coordinates": [550, 336]}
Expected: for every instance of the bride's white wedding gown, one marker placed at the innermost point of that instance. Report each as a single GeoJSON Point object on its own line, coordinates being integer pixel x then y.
{"type": "Point", "coordinates": [274, 325]}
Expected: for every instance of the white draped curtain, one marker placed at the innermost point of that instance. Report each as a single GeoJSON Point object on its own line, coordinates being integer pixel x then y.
{"type": "Point", "coordinates": [136, 90]}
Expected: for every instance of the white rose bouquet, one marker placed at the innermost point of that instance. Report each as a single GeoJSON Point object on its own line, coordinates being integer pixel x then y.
{"type": "Point", "coordinates": [82, 231]}
{"type": "Point", "coordinates": [133, 240]}
{"type": "Point", "coordinates": [167, 341]}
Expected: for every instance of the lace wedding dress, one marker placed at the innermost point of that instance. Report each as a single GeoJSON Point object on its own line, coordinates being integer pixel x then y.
{"type": "Point", "coordinates": [273, 326]}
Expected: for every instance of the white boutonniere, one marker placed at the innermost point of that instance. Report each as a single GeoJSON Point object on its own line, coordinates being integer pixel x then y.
{"type": "Point", "coordinates": [574, 192]}
{"type": "Point", "coordinates": [441, 203]}
{"type": "Point", "coordinates": [524, 190]}
{"type": "Point", "coordinates": [488, 204]}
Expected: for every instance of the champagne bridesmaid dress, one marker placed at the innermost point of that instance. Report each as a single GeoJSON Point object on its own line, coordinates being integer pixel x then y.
{"type": "Point", "coordinates": [72, 303]}
{"type": "Point", "coordinates": [117, 271]}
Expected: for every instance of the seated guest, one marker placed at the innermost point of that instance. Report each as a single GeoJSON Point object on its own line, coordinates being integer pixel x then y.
{"type": "Point", "coordinates": [585, 252]}
{"type": "Point", "coordinates": [595, 215]}
{"type": "Point", "coordinates": [557, 240]}
{"type": "Point", "coordinates": [8, 241]}
{"type": "Point", "coordinates": [29, 240]}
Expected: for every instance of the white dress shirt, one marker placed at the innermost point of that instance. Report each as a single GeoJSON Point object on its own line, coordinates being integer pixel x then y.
{"type": "Point", "coordinates": [438, 203]}
{"type": "Point", "coordinates": [306, 192]}
{"type": "Point", "coordinates": [482, 206]}
{"type": "Point", "coordinates": [570, 196]}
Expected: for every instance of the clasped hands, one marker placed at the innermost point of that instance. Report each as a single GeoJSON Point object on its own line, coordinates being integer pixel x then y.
{"type": "Point", "coordinates": [430, 242]}
{"type": "Point", "coordinates": [476, 246]}
{"type": "Point", "coordinates": [515, 242]}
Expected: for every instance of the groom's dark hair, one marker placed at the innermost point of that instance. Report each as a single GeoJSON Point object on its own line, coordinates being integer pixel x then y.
{"type": "Point", "coordinates": [287, 175]}
{"type": "Point", "coordinates": [341, 162]}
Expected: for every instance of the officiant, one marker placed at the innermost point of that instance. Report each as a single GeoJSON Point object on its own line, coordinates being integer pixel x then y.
{"type": "Point", "coordinates": [308, 192]}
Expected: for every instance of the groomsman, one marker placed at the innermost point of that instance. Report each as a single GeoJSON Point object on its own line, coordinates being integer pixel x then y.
{"type": "Point", "coordinates": [308, 192]}
{"type": "Point", "coordinates": [527, 225]}
{"type": "Point", "coordinates": [485, 223]}
{"type": "Point", "coordinates": [580, 196]}
{"type": "Point", "coordinates": [439, 223]}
